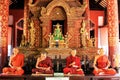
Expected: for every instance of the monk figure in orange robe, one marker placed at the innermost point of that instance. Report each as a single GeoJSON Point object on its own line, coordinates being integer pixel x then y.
{"type": "Point", "coordinates": [16, 63]}
{"type": "Point", "coordinates": [43, 65]}
{"type": "Point", "coordinates": [73, 65]}
{"type": "Point", "coordinates": [101, 64]}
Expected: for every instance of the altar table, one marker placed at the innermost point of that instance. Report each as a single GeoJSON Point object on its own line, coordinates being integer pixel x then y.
{"type": "Point", "coordinates": [71, 77]}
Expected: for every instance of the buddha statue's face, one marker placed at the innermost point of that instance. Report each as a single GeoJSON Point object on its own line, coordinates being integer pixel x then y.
{"type": "Point", "coordinates": [73, 53]}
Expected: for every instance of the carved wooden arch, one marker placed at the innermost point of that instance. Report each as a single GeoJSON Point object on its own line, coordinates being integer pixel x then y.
{"type": "Point", "coordinates": [73, 14]}
{"type": "Point", "coordinates": [53, 4]}
{"type": "Point", "coordinates": [45, 17]}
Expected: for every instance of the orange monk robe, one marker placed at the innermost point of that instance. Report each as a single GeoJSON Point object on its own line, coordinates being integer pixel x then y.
{"type": "Point", "coordinates": [102, 63]}
{"type": "Point", "coordinates": [17, 61]}
{"type": "Point", "coordinates": [71, 69]}
{"type": "Point", "coordinates": [45, 64]}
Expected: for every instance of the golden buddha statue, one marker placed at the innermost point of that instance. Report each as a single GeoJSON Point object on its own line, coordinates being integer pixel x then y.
{"type": "Point", "coordinates": [83, 34]}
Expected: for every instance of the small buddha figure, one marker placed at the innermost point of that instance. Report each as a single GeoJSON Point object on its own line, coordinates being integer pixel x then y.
{"type": "Point", "coordinates": [66, 40]}
{"type": "Point", "coordinates": [50, 40]}
{"type": "Point", "coordinates": [57, 33]}
{"type": "Point", "coordinates": [101, 64]}
{"type": "Point", "coordinates": [83, 35]}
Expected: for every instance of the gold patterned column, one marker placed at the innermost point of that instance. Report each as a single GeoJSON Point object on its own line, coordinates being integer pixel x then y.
{"type": "Point", "coordinates": [113, 39]}
{"type": "Point", "coordinates": [4, 11]}
{"type": "Point", "coordinates": [87, 16]}
{"type": "Point", "coordinates": [26, 19]}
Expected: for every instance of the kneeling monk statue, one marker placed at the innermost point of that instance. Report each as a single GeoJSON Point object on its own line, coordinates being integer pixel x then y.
{"type": "Point", "coordinates": [73, 65]}
{"type": "Point", "coordinates": [101, 64]}
{"type": "Point", "coordinates": [16, 63]}
{"type": "Point", "coordinates": [44, 64]}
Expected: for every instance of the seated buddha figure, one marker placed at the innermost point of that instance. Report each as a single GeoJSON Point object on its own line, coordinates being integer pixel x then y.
{"type": "Point", "coordinates": [57, 33]}
{"type": "Point", "coordinates": [101, 64]}
{"type": "Point", "coordinates": [44, 64]}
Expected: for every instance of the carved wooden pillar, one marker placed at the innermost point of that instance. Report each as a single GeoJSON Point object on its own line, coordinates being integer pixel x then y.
{"type": "Point", "coordinates": [37, 31]}
{"type": "Point", "coordinates": [113, 39]}
{"type": "Point", "coordinates": [4, 10]}
{"type": "Point", "coordinates": [26, 19]}
{"type": "Point", "coordinates": [87, 15]}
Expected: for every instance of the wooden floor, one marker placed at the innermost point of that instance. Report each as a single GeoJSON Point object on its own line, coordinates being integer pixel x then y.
{"type": "Point", "coordinates": [71, 77]}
